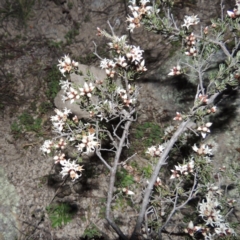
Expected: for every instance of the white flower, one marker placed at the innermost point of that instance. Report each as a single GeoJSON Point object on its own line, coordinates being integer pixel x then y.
{"type": "Point", "coordinates": [175, 71]}
{"type": "Point", "coordinates": [58, 158]}
{"type": "Point", "coordinates": [191, 229]}
{"type": "Point", "coordinates": [107, 63]}
{"type": "Point", "coordinates": [89, 142]}
{"type": "Point", "coordinates": [208, 211]}
{"type": "Point", "coordinates": [190, 20]}
{"type": "Point", "coordinates": [204, 129]}
{"type": "Point", "coordinates": [46, 147]}
{"type": "Point", "coordinates": [135, 54]}
{"type": "Point", "coordinates": [74, 170]}
{"type": "Point", "coordinates": [134, 22]}
{"type": "Point", "coordinates": [178, 117]}
{"type": "Point", "coordinates": [66, 65]}
{"type": "Point", "coordinates": [155, 151]}
{"type": "Point", "coordinates": [121, 61]}
{"type": "Point", "coordinates": [61, 115]}
{"type": "Point", "coordinates": [191, 52]}
{"type": "Point", "coordinates": [203, 149]}
{"type": "Point", "coordinates": [141, 67]}
{"type": "Point", "coordinates": [72, 95]}
{"type": "Point", "coordinates": [128, 192]}
{"type": "Point", "coordinates": [87, 89]}
{"type": "Point", "coordinates": [65, 84]}
{"type": "Point", "coordinates": [58, 125]}
{"type": "Point", "coordinates": [231, 14]}
{"type": "Point", "coordinates": [182, 169]}
{"type": "Point", "coordinates": [61, 144]}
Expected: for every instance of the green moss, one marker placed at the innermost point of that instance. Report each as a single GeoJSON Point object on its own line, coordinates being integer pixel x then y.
{"type": "Point", "coordinates": [124, 179]}
{"type": "Point", "coordinates": [18, 9]}
{"type": "Point", "coordinates": [145, 135]}
{"type": "Point", "coordinates": [91, 232]}
{"type": "Point", "coordinates": [60, 214]}
{"type": "Point", "coordinates": [26, 123]}
{"type": "Point", "coordinates": [53, 78]}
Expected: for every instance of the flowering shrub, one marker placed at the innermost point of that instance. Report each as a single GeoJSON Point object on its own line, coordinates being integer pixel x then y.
{"type": "Point", "coordinates": [112, 102]}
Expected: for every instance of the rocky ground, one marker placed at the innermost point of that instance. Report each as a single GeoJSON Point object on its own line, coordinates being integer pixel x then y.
{"type": "Point", "coordinates": [28, 181]}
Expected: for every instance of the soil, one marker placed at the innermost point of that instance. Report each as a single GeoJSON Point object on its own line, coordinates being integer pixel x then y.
{"type": "Point", "coordinates": [29, 181]}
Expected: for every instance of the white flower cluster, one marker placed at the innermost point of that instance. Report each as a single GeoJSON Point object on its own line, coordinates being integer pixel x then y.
{"type": "Point", "coordinates": [123, 95]}
{"type": "Point", "coordinates": [155, 151]}
{"type": "Point", "coordinates": [203, 98]}
{"type": "Point", "coordinates": [182, 170]}
{"type": "Point", "coordinates": [204, 129]}
{"type": "Point", "coordinates": [191, 45]}
{"type": "Point", "coordinates": [132, 56]}
{"type": "Point", "coordinates": [72, 169]}
{"type": "Point", "coordinates": [138, 12]}
{"type": "Point", "coordinates": [175, 71]}
{"type": "Point", "coordinates": [178, 117]}
{"type": "Point", "coordinates": [88, 142]}
{"type": "Point", "coordinates": [204, 149]}
{"type": "Point", "coordinates": [86, 89]}
{"type": "Point", "coordinates": [59, 120]}
{"type": "Point", "coordinates": [47, 146]}
{"type": "Point", "coordinates": [190, 20]}
{"type": "Point", "coordinates": [209, 210]}
{"type": "Point", "coordinates": [71, 93]}
{"type": "Point", "coordinates": [66, 64]}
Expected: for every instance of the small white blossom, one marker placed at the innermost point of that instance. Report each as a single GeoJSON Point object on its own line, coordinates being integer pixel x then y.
{"type": "Point", "coordinates": [155, 151]}
{"type": "Point", "coordinates": [65, 84]}
{"type": "Point", "coordinates": [141, 67]}
{"type": "Point", "coordinates": [72, 95]}
{"type": "Point", "coordinates": [127, 191]}
{"type": "Point", "coordinates": [178, 117]}
{"type": "Point", "coordinates": [86, 89]}
{"type": "Point", "coordinates": [190, 20]}
{"type": "Point", "coordinates": [203, 149]}
{"type": "Point", "coordinates": [191, 52]}
{"type": "Point", "coordinates": [208, 210]}
{"type": "Point", "coordinates": [59, 158]}
{"type": "Point", "coordinates": [121, 61]}
{"type": "Point", "coordinates": [66, 65]}
{"type": "Point", "coordinates": [88, 142]}
{"type": "Point", "coordinates": [61, 144]}
{"type": "Point", "coordinates": [47, 146]}
{"type": "Point", "coordinates": [72, 169]}
{"type": "Point", "coordinates": [204, 129]}
{"type": "Point", "coordinates": [175, 71]}
{"type": "Point", "coordinates": [135, 54]}
{"type": "Point", "coordinates": [191, 229]}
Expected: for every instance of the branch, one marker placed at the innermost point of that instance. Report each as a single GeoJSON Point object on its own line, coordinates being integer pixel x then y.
{"type": "Point", "coordinates": [161, 162]}
{"type": "Point", "coordinates": [112, 181]}
{"type": "Point", "coordinates": [175, 207]}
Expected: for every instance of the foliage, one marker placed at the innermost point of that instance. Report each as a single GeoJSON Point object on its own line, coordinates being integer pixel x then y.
{"type": "Point", "coordinates": [45, 107]}
{"type": "Point", "coordinates": [52, 79]}
{"type": "Point", "coordinates": [18, 9]}
{"type": "Point", "coordinates": [124, 179]}
{"type": "Point", "coordinates": [26, 123]}
{"type": "Point", "coordinates": [145, 135]}
{"type": "Point", "coordinates": [70, 35]}
{"type": "Point", "coordinates": [91, 232]}
{"type": "Point", "coordinates": [59, 214]}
